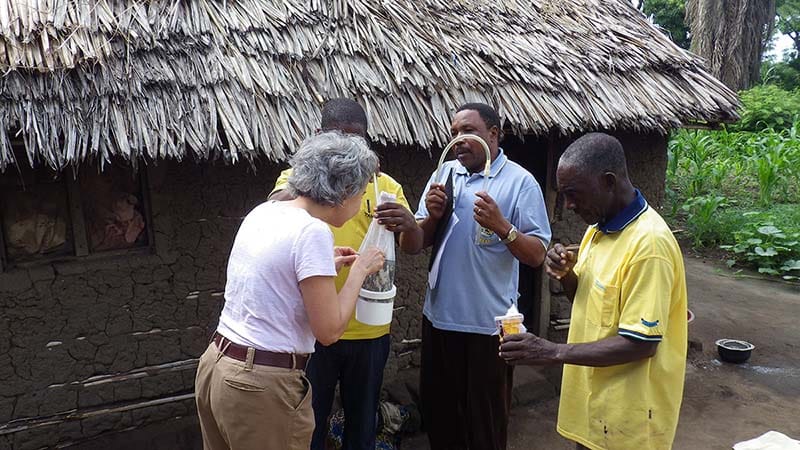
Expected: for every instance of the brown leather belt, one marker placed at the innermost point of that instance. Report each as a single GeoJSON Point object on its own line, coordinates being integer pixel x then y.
{"type": "Point", "coordinates": [261, 357]}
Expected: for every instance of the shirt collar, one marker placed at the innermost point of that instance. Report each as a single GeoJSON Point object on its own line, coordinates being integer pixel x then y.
{"type": "Point", "coordinates": [626, 216]}
{"type": "Point", "coordinates": [495, 168]}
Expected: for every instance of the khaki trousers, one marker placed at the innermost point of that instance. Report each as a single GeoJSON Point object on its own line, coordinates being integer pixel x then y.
{"type": "Point", "coordinates": [243, 406]}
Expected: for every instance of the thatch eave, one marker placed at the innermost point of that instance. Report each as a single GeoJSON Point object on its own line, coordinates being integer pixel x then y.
{"type": "Point", "coordinates": [162, 79]}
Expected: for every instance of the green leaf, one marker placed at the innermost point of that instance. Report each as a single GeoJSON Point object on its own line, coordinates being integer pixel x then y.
{"type": "Point", "coordinates": [770, 251]}
{"type": "Point", "coordinates": [790, 265]}
{"type": "Point", "coordinates": [754, 241]}
{"type": "Point", "coordinates": [768, 230]}
{"type": "Point", "coordinates": [730, 263]}
{"type": "Point", "coordinates": [768, 271]}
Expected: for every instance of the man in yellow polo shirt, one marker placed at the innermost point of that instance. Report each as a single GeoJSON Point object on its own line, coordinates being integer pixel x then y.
{"type": "Point", "coordinates": [625, 356]}
{"type": "Point", "coordinates": [357, 360]}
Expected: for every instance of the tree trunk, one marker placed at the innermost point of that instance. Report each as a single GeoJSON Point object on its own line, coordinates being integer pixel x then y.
{"type": "Point", "coordinates": [731, 35]}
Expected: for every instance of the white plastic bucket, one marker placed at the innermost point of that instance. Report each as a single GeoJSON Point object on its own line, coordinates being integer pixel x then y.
{"type": "Point", "coordinates": [375, 308]}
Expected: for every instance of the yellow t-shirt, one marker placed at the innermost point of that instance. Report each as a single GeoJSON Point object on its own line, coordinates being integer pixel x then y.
{"type": "Point", "coordinates": [630, 283]}
{"type": "Point", "coordinates": [350, 235]}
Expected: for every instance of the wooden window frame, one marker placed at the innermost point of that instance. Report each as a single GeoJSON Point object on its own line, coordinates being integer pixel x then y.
{"type": "Point", "coordinates": [78, 229]}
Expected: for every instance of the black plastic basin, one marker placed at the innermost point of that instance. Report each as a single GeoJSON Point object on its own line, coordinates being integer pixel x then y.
{"type": "Point", "coordinates": [734, 350]}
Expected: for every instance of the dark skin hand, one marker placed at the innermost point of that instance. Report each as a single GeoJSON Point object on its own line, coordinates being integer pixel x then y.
{"type": "Point", "coordinates": [434, 202]}
{"type": "Point", "coordinates": [529, 349]}
{"type": "Point", "coordinates": [527, 249]}
{"type": "Point", "coordinates": [559, 264]}
{"type": "Point", "coordinates": [398, 219]}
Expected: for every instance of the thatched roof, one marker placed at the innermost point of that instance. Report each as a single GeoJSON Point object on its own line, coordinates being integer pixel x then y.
{"type": "Point", "coordinates": [245, 78]}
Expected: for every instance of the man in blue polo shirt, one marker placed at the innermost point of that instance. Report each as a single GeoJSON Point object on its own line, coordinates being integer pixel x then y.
{"type": "Point", "coordinates": [465, 387]}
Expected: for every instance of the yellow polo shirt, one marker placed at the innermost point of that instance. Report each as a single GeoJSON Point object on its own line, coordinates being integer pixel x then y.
{"type": "Point", "coordinates": [630, 283]}
{"type": "Point", "coordinates": [350, 235]}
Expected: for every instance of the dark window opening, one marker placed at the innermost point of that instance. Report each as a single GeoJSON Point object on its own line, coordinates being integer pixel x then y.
{"type": "Point", "coordinates": [46, 215]}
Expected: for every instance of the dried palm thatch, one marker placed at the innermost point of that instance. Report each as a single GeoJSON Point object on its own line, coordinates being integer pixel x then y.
{"type": "Point", "coordinates": [245, 78]}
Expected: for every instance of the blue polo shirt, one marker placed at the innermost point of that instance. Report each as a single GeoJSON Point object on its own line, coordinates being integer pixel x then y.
{"type": "Point", "coordinates": [477, 282]}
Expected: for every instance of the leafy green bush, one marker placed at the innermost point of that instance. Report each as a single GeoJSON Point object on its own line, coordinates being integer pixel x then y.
{"type": "Point", "coordinates": [784, 74]}
{"type": "Point", "coordinates": [767, 106]}
{"type": "Point", "coordinates": [740, 190]}
{"type": "Point", "coordinates": [772, 250]}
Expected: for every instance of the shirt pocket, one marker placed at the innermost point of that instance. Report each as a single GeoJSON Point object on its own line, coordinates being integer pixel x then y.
{"type": "Point", "coordinates": [603, 303]}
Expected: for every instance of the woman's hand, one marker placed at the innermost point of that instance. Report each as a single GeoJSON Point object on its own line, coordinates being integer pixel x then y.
{"type": "Point", "coordinates": [344, 257]}
{"type": "Point", "coordinates": [369, 261]}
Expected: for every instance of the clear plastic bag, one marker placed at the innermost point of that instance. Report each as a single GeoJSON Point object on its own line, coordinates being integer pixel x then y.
{"type": "Point", "coordinates": [379, 236]}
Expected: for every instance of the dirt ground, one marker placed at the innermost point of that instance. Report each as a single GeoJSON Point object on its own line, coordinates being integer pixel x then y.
{"type": "Point", "coordinates": [723, 403]}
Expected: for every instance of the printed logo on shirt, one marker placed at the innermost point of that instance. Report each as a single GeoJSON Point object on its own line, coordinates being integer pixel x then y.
{"type": "Point", "coordinates": [649, 324]}
{"type": "Point", "coordinates": [486, 236]}
{"type": "Point", "coordinates": [599, 285]}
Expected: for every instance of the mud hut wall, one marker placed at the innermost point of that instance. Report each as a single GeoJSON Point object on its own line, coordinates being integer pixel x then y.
{"type": "Point", "coordinates": [646, 156]}
{"type": "Point", "coordinates": [112, 333]}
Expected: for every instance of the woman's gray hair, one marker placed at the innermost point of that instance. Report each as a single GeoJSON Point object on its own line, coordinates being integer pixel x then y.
{"type": "Point", "coordinates": [331, 167]}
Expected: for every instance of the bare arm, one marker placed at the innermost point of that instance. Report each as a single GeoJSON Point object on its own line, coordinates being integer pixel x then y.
{"type": "Point", "coordinates": [411, 241]}
{"type": "Point", "coordinates": [328, 317]}
{"type": "Point", "coordinates": [526, 348]}
{"type": "Point", "coordinates": [528, 250]}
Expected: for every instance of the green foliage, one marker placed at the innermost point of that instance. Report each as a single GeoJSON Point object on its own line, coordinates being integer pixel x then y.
{"type": "Point", "coordinates": [669, 14]}
{"type": "Point", "coordinates": [774, 251]}
{"type": "Point", "coordinates": [741, 190]}
{"type": "Point", "coordinates": [767, 106]}
{"type": "Point", "coordinates": [788, 20]}
{"type": "Point", "coordinates": [784, 74]}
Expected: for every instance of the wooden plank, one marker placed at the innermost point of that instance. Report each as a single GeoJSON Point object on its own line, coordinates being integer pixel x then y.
{"type": "Point", "coordinates": [550, 198]}
{"type": "Point", "coordinates": [550, 189]}
{"type": "Point", "coordinates": [77, 219]}
{"type": "Point", "coordinates": [3, 256]}
{"type": "Point", "coordinates": [544, 304]}
{"type": "Point", "coordinates": [147, 211]}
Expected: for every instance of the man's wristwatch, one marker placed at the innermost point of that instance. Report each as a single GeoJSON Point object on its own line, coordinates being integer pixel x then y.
{"type": "Point", "coordinates": [512, 235]}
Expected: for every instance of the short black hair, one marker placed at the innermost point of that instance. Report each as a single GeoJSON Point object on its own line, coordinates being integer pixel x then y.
{"type": "Point", "coordinates": [596, 153]}
{"type": "Point", "coordinates": [487, 113]}
{"type": "Point", "coordinates": [342, 111]}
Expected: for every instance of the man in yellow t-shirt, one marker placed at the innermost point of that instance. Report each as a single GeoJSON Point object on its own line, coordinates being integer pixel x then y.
{"type": "Point", "coordinates": [357, 360]}
{"type": "Point", "coordinates": [625, 356]}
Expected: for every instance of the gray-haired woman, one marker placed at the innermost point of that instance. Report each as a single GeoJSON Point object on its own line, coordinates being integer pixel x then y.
{"type": "Point", "coordinates": [251, 387]}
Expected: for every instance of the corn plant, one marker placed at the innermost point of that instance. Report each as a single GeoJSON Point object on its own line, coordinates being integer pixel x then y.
{"type": "Point", "coordinates": [700, 217]}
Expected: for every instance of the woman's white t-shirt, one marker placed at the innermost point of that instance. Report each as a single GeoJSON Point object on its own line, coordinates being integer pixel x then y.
{"type": "Point", "coordinates": [276, 247]}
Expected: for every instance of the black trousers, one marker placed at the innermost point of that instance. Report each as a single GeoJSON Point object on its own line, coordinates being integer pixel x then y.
{"type": "Point", "coordinates": [465, 390]}
{"type": "Point", "coordinates": [357, 366]}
